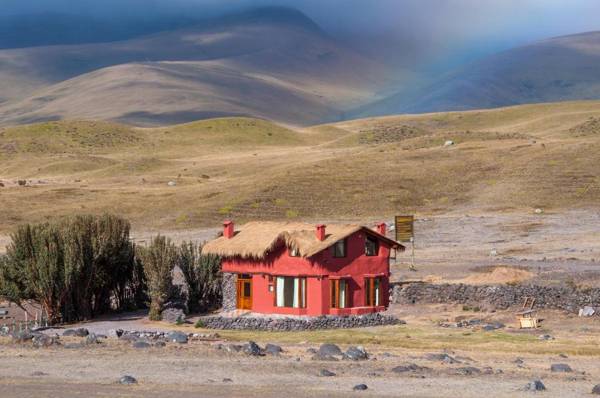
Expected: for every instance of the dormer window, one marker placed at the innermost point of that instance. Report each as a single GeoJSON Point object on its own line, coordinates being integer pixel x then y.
{"type": "Point", "coordinates": [294, 252]}
{"type": "Point", "coordinates": [371, 246]}
{"type": "Point", "coordinates": [339, 248]}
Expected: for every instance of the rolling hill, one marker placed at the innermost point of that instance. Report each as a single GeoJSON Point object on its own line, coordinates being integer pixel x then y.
{"type": "Point", "coordinates": [506, 159]}
{"type": "Point", "coordinates": [269, 62]}
{"type": "Point", "coordinates": [558, 69]}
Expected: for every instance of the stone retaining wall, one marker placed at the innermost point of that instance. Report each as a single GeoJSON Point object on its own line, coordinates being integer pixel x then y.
{"type": "Point", "coordinates": [295, 324]}
{"type": "Point", "coordinates": [497, 296]}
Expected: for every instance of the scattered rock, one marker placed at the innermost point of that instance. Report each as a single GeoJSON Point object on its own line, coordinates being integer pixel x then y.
{"type": "Point", "coordinates": [326, 373]}
{"type": "Point", "coordinates": [91, 339]}
{"type": "Point", "coordinates": [227, 380]}
{"type": "Point", "coordinates": [251, 348]}
{"type": "Point", "coordinates": [546, 337]}
{"type": "Point", "coordinates": [468, 371]}
{"type": "Point", "coordinates": [171, 183]}
{"type": "Point", "coordinates": [448, 143]}
{"type": "Point", "coordinates": [177, 337]}
{"type": "Point", "coordinates": [273, 349]}
{"type": "Point", "coordinates": [128, 337]}
{"type": "Point", "coordinates": [329, 350]}
{"type": "Point", "coordinates": [127, 380]}
{"type": "Point", "coordinates": [173, 315]}
{"type": "Point", "coordinates": [72, 346]}
{"type": "Point", "coordinates": [80, 332]}
{"type": "Point", "coordinates": [160, 344]}
{"type": "Point", "coordinates": [311, 351]}
{"type": "Point", "coordinates": [141, 344]}
{"type": "Point", "coordinates": [37, 373]}
{"type": "Point", "coordinates": [21, 183]}
{"type": "Point", "coordinates": [535, 385]}
{"type": "Point", "coordinates": [444, 358]}
{"type": "Point", "coordinates": [115, 333]}
{"type": "Point", "coordinates": [356, 354]}
{"type": "Point", "coordinates": [538, 211]}
{"type": "Point", "coordinates": [560, 367]}
{"type": "Point", "coordinates": [41, 340]}
{"type": "Point", "coordinates": [596, 389]}
{"type": "Point", "coordinates": [360, 387]}
{"type": "Point", "coordinates": [587, 311]}
{"type": "Point", "coordinates": [411, 367]}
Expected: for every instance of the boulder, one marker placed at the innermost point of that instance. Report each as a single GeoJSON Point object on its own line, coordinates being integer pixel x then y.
{"type": "Point", "coordinates": [329, 350]}
{"type": "Point", "coordinates": [141, 344]}
{"type": "Point", "coordinates": [356, 354]}
{"type": "Point", "coordinates": [448, 143]}
{"type": "Point", "coordinates": [596, 389]}
{"type": "Point", "coordinates": [173, 315]}
{"type": "Point", "coordinates": [468, 371]}
{"type": "Point", "coordinates": [326, 373]}
{"type": "Point", "coordinates": [41, 340]}
{"type": "Point", "coordinates": [80, 332]}
{"type": "Point", "coordinates": [127, 380]}
{"type": "Point", "coordinates": [360, 387]}
{"type": "Point", "coordinates": [560, 367]}
{"type": "Point", "coordinates": [443, 357]}
{"type": "Point", "coordinates": [177, 337]}
{"type": "Point", "coordinates": [91, 339]}
{"type": "Point", "coordinates": [251, 348]}
{"type": "Point", "coordinates": [411, 367]}
{"type": "Point", "coordinates": [273, 349]}
{"type": "Point", "coordinates": [587, 311]}
{"type": "Point", "coordinates": [535, 385]}
{"type": "Point", "coordinates": [115, 333]}
{"type": "Point", "coordinates": [227, 380]}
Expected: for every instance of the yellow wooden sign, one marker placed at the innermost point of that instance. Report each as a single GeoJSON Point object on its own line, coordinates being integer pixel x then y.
{"type": "Point", "coordinates": [404, 228]}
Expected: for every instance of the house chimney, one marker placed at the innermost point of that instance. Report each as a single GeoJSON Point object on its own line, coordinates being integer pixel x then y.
{"type": "Point", "coordinates": [228, 229]}
{"type": "Point", "coordinates": [320, 232]}
{"type": "Point", "coordinates": [381, 228]}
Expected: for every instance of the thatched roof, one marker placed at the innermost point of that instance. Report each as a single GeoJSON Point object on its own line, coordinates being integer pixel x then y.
{"type": "Point", "coordinates": [257, 239]}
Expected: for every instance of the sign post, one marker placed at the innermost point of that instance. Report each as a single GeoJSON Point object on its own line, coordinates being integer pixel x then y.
{"type": "Point", "coordinates": [405, 226]}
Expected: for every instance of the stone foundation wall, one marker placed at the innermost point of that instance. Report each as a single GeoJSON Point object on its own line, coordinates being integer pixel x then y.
{"type": "Point", "coordinates": [295, 324]}
{"type": "Point", "coordinates": [497, 296]}
{"type": "Point", "coordinates": [229, 291]}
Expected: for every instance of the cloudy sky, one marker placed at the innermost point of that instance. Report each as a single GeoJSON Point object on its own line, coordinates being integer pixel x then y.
{"type": "Point", "coordinates": [464, 28]}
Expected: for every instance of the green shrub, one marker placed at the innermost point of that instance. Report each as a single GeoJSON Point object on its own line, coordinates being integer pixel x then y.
{"type": "Point", "coordinates": [75, 268]}
{"type": "Point", "coordinates": [158, 261]}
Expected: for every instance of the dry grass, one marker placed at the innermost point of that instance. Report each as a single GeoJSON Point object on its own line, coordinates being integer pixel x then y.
{"type": "Point", "coordinates": [512, 158]}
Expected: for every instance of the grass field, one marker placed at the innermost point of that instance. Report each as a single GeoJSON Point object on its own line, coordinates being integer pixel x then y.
{"type": "Point", "coordinates": [504, 159]}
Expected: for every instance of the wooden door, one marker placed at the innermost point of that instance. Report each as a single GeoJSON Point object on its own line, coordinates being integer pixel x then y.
{"type": "Point", "coordinates": [244, 293]}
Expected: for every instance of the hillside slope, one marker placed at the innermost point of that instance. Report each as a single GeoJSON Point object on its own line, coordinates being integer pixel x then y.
{"type": "Point", "coordinates": [273, 63]}
{"type": "Point", "coordinates": [508, 159]}
{"type": "Point", "coordinates": [558, 69]}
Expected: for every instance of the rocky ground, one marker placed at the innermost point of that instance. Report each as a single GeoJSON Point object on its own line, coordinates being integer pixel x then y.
{"type": "Point", "coordinates": [441, 351]}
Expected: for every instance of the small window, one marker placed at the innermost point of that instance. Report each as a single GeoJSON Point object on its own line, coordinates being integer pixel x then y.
{"type": "Point", "coordinates": [294, 252]}
{"type": "Point", "coordinates": [372, 292]}
{"type": "Point", "coordinates": [371, 246]}
{"type": "Point", "coordinates": [339, 248]}
{"type": "Point", "coordinates": [339, 293]}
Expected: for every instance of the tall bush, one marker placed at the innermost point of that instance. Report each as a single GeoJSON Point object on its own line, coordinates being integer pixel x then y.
{"type": "Point", "coordinates": [76, 268]}
{"type": "Point", "coordinates": [202, 275]}
{"type": "Point", "coordinates": [158, 261]}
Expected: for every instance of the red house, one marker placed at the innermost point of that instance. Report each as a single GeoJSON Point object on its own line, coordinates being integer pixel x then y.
{"type": "Point", "coordinates": [300, 269]}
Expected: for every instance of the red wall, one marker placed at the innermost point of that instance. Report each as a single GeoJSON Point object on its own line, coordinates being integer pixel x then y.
{"type": "Point", "coordinates": [317, 269]}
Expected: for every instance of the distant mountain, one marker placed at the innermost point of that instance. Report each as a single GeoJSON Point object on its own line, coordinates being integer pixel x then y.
{"type": "Point", "coordinates": [557, 69]}
{"type": "Point", "coordinates": [274, 63]}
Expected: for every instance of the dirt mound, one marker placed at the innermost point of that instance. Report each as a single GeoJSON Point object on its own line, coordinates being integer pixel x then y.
{"type": "Point", "coordinates": [588, 128]}
{"type": "Point", "coordinates": [498, 275]}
